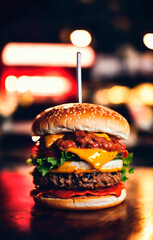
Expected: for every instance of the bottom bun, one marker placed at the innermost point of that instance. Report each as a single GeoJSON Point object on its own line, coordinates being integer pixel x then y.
{"type": "Point", "coordinates": [81, 203]}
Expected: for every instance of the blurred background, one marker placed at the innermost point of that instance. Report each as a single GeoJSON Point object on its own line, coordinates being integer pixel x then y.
{"type": "Point", "coordinates": [38, 45]}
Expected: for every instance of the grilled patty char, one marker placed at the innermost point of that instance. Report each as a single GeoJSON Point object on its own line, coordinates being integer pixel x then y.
{"type": "Point", "coordinates": [74, 181]}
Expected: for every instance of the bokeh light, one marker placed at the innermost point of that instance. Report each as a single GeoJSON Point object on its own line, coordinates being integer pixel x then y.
{"type": "Point", "coordinates": [80, 38]}
{"type": "Point", "coordinates": [10, 83]}
{"type": "Point", "coordinates": [148, 40]}
{"type": "Point", "coordinates": [38, 85]}
{"type": "Point", "coordinates": [118, 94]}
{"type": "Point", "coordinates": [143, 93]}
{"type": "Point", "coordinates": [101, 97]}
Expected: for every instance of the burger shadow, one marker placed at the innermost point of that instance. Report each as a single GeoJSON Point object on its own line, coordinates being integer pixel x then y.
{"type": "Point", "coordinates": [99, 224]}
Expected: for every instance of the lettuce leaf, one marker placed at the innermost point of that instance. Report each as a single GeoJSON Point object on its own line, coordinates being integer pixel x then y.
{"type": "Point", "coordinates": [45, 164]}
{"type": "Point", "coordinates": [126, 165]}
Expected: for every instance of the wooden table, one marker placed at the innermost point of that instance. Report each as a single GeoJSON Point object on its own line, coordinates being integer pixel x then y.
{"type": "Point", "coordinates": [20, 219]}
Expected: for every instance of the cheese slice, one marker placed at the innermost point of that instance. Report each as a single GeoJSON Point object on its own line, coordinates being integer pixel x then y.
{"type": "Point", "coordinates": [81, 166]}
{"type": "Point", "coordinates": [96, 157]}
{"type": "Point", "coordinates": [49, 139]}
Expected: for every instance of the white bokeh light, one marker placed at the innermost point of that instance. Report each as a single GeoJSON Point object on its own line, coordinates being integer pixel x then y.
{"type": "Point", "coordinates": [80, 38]}
{"type": "Point", "coordinates": [148, 40]}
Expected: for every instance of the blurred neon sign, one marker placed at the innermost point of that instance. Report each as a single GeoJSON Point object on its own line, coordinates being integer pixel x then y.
{"type": "Point", "coordinates": [46, 54]}
{"type": "Point", "coordinates": [38, 85]}
{"type": "Point", "coordinates": [39, 82]}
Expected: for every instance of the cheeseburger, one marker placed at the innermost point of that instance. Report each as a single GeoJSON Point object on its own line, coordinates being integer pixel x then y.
{"type": "Point", "coordinates": [79, 159]}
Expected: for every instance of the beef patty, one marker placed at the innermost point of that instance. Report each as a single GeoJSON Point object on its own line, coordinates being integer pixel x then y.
{"type": "Point", "coordinates": [80, 181]}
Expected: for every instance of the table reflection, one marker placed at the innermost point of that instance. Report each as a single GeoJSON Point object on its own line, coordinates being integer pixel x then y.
{"type": "Point", "coordinates": [144, 203]}
{"type": "Point", "coordinates": [17, 201]}
{"type": "Point", "coordinates": [133, 219]}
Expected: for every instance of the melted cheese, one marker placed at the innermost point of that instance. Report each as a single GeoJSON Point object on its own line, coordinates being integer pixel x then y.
{"type": "Point", "coordinates": [102, 135]}
{"type": "Point", "coordinates": [96, 157]}
{"type": "Point", "coordinates": [49, 139]}
{"type": "Point", "coordinates": [80, 166]}
{"type": "Point", "coordinates": [67, 167]}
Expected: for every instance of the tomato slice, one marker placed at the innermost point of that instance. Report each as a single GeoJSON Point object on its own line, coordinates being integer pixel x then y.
{"type": "Point", "coordinates": [65, 194]}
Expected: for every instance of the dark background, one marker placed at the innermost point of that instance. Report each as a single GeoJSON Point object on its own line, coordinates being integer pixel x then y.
{"type": "Point", "coordinates": [111, 23]}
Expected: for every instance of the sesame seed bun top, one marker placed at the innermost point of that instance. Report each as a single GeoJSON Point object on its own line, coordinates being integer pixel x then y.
{"type": "Point", "coordinates": [80, 116]}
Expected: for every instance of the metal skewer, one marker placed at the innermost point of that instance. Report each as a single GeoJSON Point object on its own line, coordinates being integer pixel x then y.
{"type": "Point", "coordinates": [79, 77]}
